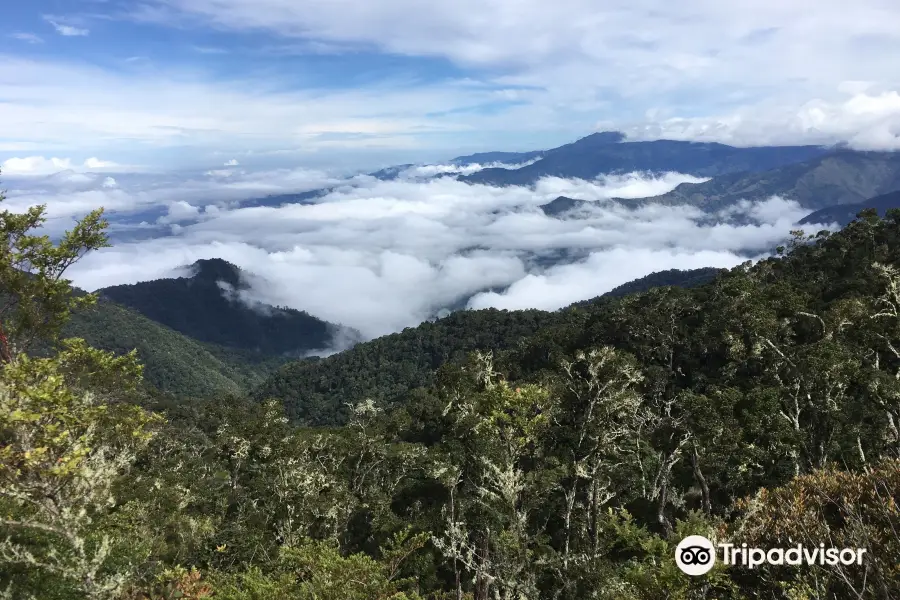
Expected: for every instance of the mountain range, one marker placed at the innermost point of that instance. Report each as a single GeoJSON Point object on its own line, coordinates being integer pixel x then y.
{"type": "Point", "coordinates": [843, 214]}
{"type": "Point", "coordinates": [607, 153]}
{"type": "Point", "coordinates": [203, 333]}
{"type": "Point", "coordinates": [815, 177]}
{"type": "Point", "coordinates": [839, 177]}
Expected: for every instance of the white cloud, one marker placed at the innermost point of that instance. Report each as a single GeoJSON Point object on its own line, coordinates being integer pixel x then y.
{"type": "Point", "coordinates": [428, 171]}
{"type": "Point", "coordinates": [232, 163]}
{"type": "Point", "coordinates": [383, 255]}
{"type": "Point", "coordinates": [31, 38]}
{"type": "Point", "coordinates": [748, 72]}
{"type": "Point", "coordinates": [64, 28]}
{"type": "Point", "coordinates": [867, 121]}
{"type": "Point", "coordinates": [39, 165]}
{"type": "Point", "coordinates": [87, 109]}
{"type": "Point", "coordinates": [180, 211]}
{"type": "Point", "coordinates": [599, 273]}
{"type": "Point", "coordinates": [34, 165]}
{"type": "Point", "coordinates": [96, 163]}
{"type": "Point", "coordinates": [705, 68]}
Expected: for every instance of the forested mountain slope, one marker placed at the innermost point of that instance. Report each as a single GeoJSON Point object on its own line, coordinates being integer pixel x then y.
{"type": "Point", "coordinates": [209, 306]}
{"type": "Point", "coordinates": [842, 214]}
{"type": "Point", "coordinates": [317, 391]}
{"type": "Point", "coordinates": [173, 362]}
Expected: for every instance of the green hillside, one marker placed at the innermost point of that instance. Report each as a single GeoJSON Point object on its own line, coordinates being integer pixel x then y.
{"type": "Point", "coordinates": [209, 305]}
{"type": "Point", "coordinates": [173, 362]}
{"type": "Point", "coordinates": [317, 391]}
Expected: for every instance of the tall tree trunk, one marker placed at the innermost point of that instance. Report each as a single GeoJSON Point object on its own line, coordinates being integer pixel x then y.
{"type": "Point", "coordinates": [481, 579]}
{"type": "Point", "coordinates": [595, 536]}
{"type": "Point", "coordinates": [661, 508]}
{"type": "Point", "coordinates": [701, 480]}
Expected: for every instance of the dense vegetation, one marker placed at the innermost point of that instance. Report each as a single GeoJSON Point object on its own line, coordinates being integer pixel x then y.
{"type": "Point", "coordinates": [760, 408]}
{"type": "Point", "coordinates": [684, 278]}
{"type": "Point", "coordinates": [172, 361]}
{"type": "Point", "coordinates": [211, 306]}
{"type": "Point", "coordinates": [317, 392]}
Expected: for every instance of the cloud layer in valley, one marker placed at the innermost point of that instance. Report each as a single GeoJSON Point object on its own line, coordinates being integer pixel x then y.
{"type": "Point", "coordinates": [383, 255]}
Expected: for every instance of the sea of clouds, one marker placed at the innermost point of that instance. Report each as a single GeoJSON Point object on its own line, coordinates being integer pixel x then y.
{"type": "Point", "coordinates": [381, 255]}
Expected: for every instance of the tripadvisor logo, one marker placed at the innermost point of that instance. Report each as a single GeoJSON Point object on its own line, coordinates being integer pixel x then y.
{"type": "Point", "coordinates": [696, 555]}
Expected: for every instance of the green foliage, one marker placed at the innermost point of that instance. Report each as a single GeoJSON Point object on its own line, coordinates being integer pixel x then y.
{"type": "Point", "coordinates": [36, 298]}
{"type": "Point", "coordinates": [66, 440]}
{"type": "Point", "coordinates": [318, 571]}
{"type": "Point", "coordinates": [849, 510]}
{"type": "Point", "coordinates": [317, 392]}
{"type": "Point", "coordinates": [173, 363]}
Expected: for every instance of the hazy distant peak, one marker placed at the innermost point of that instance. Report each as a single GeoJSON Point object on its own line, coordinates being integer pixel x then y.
{"type": "Point", "coordinates": [604, 137]}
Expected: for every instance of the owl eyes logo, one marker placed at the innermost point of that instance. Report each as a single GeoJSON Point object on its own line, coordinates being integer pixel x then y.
{"type": "Point", "coordinates": [695, 555]}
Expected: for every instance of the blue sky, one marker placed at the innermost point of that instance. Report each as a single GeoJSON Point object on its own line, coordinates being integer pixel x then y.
{"type": "Point", "coordinates": [167, 84]}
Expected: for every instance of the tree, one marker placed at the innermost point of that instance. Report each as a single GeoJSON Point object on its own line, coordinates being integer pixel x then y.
{"type": "Point", "coordinates": [491, 534]}
{"type": "Point", "coordinates": [67, 431]}
{"type": "Point", "coordinates": [63, 448]}
{"type": "Point", "coordinates": [35, 299]}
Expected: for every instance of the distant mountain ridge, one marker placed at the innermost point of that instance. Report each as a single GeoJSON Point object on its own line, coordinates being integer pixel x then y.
{"type": "Point", "coordinates": [815, 176]}
{"type": "Point", "coordinates": [210, 305]}
{"type": "Point", "coordinates": [608, 153]}
{"type": "Point", "coordinates": [843, 214]}
{"type": "Point", "coordinates": [839, 177]}
{"type": "Point", "coordinates": [487, 158]}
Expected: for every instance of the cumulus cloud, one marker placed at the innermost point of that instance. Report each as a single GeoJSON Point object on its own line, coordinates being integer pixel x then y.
{"type": "Point", "coordinates": [596, 275]}
{"type": "Point", "coordinates": [140, 200]}
{"type": "Point", "coordinates": [96, 163]}
{"type": "Point", "coordinates": [379, 256]}
{"type": "Point", "coordinates": [232, 163]}
{"type": "Point", "coordinates": [865, 120]}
